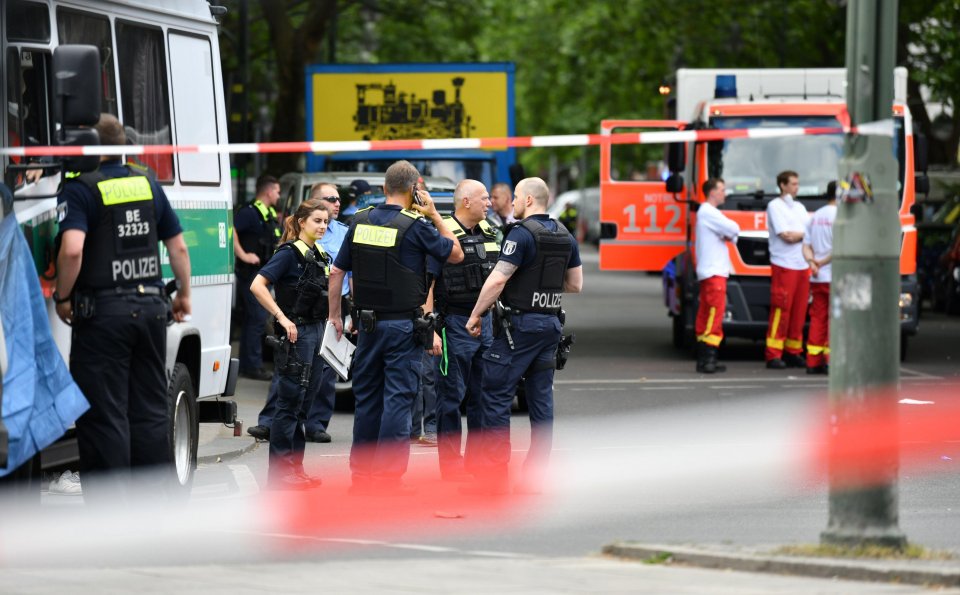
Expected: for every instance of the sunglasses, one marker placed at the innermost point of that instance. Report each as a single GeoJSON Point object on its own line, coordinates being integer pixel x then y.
{"type": "Point", "coordinates": [330, 199]}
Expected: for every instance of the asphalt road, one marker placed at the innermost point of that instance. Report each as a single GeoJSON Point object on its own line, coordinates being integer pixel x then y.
{"type": "Point", "coordinates": [645, 449]}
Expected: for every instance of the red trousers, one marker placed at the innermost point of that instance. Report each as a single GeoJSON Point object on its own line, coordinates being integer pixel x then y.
{"type": "Point", "coordinates": [789, 294]}
{"type": "Point", "coordinates": [818, 337]}
{"type": "Point", "coordinates": [713, 305]}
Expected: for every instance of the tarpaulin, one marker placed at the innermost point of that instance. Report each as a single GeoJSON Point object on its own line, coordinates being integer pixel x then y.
{"type": "Point", "coordinates": [40, 399]}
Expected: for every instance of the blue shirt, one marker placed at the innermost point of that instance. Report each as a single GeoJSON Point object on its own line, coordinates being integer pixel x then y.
{"type": "Point", "coordinates": [81, 207]}
{"type": "Point", "coordinates": [519, 247]}
{"type": "Point", "coordinates": [283, 267]}
{"type": "Point", "coordinates": [421, 242]}
{"type": "Point", "coordinates": [331, 242]}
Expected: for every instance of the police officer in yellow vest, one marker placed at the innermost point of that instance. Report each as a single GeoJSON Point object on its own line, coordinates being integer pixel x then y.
{"type": "Point", "coordinates": [109, 288]}
{"type": "Point", "coordinates": [388, 248]}
{"type": "Point", "coordinates": [256, 235]}
{"type": "Point", "coordinates": [455, 294]}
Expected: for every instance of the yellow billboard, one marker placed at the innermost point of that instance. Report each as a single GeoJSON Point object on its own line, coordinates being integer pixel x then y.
{"type": "Point", "coordinates": [387, 102]}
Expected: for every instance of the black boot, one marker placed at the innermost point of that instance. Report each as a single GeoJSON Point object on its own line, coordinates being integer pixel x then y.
{"type": "Point", "coordinates": [705, 365]}
{"type": "Point", "coordinates": [712, 353]}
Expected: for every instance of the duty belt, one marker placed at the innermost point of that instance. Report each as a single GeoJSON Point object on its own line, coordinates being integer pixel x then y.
{"type": "Point", "coordinates": [408, 315]}
{"type": "Point", "coordinates": [458, 310]}
{"type": "Point", "coordinates": [125, 291]}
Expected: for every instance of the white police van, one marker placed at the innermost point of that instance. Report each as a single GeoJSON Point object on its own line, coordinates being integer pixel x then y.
{"type": "Point", "coordinates": [159, 72]}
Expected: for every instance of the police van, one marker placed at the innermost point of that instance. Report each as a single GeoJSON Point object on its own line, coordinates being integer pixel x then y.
{"type": "Point", "coordinates": [159, 73]}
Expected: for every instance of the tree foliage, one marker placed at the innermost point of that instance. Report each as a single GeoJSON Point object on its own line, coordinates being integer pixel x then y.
{"type": "Point", "coordinates": [580, 62]}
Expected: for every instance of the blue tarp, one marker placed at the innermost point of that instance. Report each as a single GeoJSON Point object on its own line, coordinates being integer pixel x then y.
{"type": "Point", "coordinates": [40, 399]}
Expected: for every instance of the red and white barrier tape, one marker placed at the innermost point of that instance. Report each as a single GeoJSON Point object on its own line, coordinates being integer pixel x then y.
{"type": "Point", "coordinates": [884, 128]}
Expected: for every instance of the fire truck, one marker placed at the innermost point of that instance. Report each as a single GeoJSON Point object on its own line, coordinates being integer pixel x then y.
{"type": "Point", "coordinates": [648, 224]}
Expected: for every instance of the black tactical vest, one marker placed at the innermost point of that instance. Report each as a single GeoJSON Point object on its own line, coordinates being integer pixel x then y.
{"type": "Point", "coordinates": [306, 301]}
{"type": "Point", "coordinates": [539, 287]}
{"type": "Point", "coordinates": [121, 250]}
{"type": "Point", "coordinates": [262, 244]}
{"type": "Point", "coordinates": [380, 281]}
{"type": "Point", "coordinates": [461, 283]}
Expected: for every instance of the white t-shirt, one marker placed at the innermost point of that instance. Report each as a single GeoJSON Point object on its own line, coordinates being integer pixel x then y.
{"type": "Point", "coordinates": [713, 230]}
{"type": "Point", "coordinates": [819, 236]}
{"type": "Point", "coordinates": [786, 214]}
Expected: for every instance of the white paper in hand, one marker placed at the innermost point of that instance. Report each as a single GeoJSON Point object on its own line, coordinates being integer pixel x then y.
{"type": "Point", "coordinates": [337, 353]}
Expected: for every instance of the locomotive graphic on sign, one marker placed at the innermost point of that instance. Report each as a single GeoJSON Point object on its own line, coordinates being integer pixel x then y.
{"type": "Point", "coordinates": [401, 116]}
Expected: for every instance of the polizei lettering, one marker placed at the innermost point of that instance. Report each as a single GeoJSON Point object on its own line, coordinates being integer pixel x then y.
{"type": "Point", "coordinates": [132, 269]}
{"type": "Point", "coordinates": [546, 300]}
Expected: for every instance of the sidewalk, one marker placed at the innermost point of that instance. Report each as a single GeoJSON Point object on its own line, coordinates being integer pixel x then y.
{"type": "Point", "coordinates": [927, 573]}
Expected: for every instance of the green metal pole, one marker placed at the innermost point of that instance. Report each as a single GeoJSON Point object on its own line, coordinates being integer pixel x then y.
{"type": "Point", "coordinates": [864, 319]}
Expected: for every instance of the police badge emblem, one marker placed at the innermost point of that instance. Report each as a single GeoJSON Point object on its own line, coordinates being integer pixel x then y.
{"type": "Point", "coordinates": [509, 247]}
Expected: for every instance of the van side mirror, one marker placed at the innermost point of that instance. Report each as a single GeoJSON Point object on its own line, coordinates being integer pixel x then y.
{"type": "Point", "coordinates": [676, 157]}
{"type": "Point", "coordinates": [76, 76]}
{"type": "Point", "coordinates": [675, 184]}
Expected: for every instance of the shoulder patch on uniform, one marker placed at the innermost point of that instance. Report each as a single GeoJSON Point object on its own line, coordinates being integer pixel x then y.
{"type": "Point", "coordinates": [61, 211]}
{"type": "Point", "coordinates": [509, 247]}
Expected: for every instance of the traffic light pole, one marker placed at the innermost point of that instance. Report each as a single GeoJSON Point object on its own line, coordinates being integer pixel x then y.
{"type": "Point", "coordinates": [864, 297]}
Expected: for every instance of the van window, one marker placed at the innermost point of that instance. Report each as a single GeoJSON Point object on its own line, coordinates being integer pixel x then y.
{"type": "Point", "coordinates": [28, 111]}
{"type": "Point", "coordinates": [85, 28]}
{"type": "Point", "coordinates": [142, 62]}
{"type": "Point", "coordinates": [27, 21]}
{"type": "Point", "coordinates": [191, 72]}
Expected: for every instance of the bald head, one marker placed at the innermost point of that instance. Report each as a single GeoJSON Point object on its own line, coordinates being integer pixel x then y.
{"type": "Point", "coordinates": [466, 188]}
{"type": "Point", "coordinates": [471, 201]}
{"type": "Point", "coordinates": [536, 188]}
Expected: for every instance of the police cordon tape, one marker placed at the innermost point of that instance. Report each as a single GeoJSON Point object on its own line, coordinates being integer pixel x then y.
{"type": "Point", "coordinates": [881, 128]}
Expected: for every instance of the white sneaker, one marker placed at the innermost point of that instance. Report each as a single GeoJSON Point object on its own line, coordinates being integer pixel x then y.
{"type": "Point", "coordinates": [67, 484]}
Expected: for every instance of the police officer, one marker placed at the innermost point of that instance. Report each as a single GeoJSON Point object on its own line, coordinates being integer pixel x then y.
{"type": "Point", "coordinates": [109, 288]}
{"type": "Point", "coordinates": [456, 292]}
{"type": "Point", "coordinates": [299, 273]}
{"type": "Point", "coordinates": [539, 261]}
{"type": "Point", "coordinates": [256, 234]}
{"type": "Point", "coordinates": [387, 249]}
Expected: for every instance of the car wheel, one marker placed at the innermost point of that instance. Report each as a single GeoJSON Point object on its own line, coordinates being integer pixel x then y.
{"type": "Point", "coordinates": [182, 399]}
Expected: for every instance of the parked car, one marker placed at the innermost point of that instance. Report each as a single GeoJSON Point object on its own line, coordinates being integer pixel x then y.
{"type": "Point", "coordinates": [587, 203]}
{"type": "Point", "coordinates": [295, 188]}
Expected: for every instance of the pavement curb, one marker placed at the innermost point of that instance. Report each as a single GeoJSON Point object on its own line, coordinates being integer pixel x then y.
{"type": "Point", "coordinates": [224, 449]}
{"type": "Point", "coordinates": [896, 571]}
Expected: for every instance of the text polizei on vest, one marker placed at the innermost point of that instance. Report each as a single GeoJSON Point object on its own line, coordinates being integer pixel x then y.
{"type": "Point", "coordinates": [545, 300]}
{"type": "Point", "coordinates": [132, 269]}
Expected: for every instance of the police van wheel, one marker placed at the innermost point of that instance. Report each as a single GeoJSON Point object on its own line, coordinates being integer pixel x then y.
{"type": "Point", "coordinates": [183, 428]}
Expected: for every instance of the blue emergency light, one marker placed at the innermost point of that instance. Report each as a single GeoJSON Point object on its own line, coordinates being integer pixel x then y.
{"type": "Point", "coordinates": [726, 86]}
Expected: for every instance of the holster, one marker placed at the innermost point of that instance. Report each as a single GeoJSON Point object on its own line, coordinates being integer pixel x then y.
{"type": "Point", "coordinates": [423, 328]}
{"type": "Point", "coordinates": [84, 306]}
{"type": "Point", "coordinates": [368, 320]}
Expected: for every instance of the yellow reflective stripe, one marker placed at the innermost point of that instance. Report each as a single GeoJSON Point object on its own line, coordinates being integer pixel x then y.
{"type": "Point", "coordinates": [815, 349]}
{"type": "Point", "coordinates": [773, 327]}
{"type": "Point", "coordinates": [712, 340]}
{"type": "Point", "coordinates": [486, 229]}
{"type": "Point", "coordinates": [374, 235]}
{"type": "Point", "coordinates": [826, 351]}
{"type": "Point", "coordinates": [491, 247]}
{"type": "Point", "coordinates": [123, 190]}
{"type": "Point", "coordinates": [706, 332]}
{"type": "Point", "coordinates": [72, 174]}
{"type": "Point", "coordinates": [453, 226]}
{"type": "Point", "coordinates": [411, 214]}
{"type": "Point", "coordinates": [794, 344]}
{"type": "Point", "coordinates": [774, 343]}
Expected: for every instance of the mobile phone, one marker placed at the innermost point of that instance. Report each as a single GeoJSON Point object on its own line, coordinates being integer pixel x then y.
{"type": "Point", "coordinates": [416, 196]}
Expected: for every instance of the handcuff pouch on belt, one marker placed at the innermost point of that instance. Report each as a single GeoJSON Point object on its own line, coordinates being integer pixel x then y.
{"type": "Point", "coordinates": [424, 326]}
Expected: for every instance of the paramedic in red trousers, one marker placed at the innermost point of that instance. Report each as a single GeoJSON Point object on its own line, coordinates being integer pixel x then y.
{"type": "Point", "coordinates": [714, 230]}
{"type": "Point", "coordinates": [790, 276]}
{"type": "Point", "coordinates": [818, 251]}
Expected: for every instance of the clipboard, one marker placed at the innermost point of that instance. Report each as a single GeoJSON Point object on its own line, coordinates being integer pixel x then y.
{"type": "Point", "coordinates": [337, 353]}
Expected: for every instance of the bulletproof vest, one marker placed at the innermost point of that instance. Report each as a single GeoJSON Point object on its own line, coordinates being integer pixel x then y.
{"type": "Point", "coordinates": [380, 281]}
{"type": "Point", "coordinates": [306, 300]}
{"type": "Point", "coordinates": [262, 244]}
{"type": "Point", "coordinates": [462, 282]}
{"type": "Point", "coordinates": [121, 250]}
{"type": "Point", "coordinates": [539, 287]}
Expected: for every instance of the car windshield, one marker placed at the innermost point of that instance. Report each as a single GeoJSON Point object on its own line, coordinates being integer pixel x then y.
{"type": "Point", "coordinates": [750, 165]}
{"type": "Point", "coordinates": [454, 169]}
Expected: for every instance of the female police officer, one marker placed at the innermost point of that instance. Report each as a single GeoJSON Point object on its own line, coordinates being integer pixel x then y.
{"type": "Point", "coordinates": [299, 272]}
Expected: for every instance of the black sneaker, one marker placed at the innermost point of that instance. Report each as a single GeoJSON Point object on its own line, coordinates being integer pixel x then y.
{"type": "Point", "coordinates": [824, 369]}
{"type": "Point", "coordinates": [319, 436]}
{"type": "Point", "coordinates": [258, 374]}
{"type": "Point", "coordinates": [776, 364]}
{"type": "Point", "coordinates": [794, 361]}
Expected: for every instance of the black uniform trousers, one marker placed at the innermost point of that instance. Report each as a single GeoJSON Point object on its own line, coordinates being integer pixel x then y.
{"type": "Point", "coordinates": [117, 359]}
